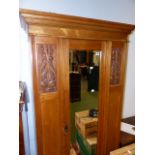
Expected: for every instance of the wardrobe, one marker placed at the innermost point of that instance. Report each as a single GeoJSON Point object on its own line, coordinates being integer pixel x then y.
{"type": "Point", "coordinates": [52, 36]}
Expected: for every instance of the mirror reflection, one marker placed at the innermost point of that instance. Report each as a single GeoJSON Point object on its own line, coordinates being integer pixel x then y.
{"type": "Point", "coordinates": [84, 98]}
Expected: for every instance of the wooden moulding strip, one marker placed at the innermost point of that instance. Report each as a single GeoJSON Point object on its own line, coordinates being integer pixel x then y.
{"type": "Point", "coordinates": [75, 33]}
{"type": "Point", "coordinates": [59, 20]}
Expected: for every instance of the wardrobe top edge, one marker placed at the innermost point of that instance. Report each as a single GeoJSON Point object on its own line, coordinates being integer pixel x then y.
{"type": "Point", "coordinates": [46, 18]}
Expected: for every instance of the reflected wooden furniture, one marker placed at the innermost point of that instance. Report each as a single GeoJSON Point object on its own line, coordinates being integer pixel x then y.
{"type": "Point", "coordinates": [75, 87]}
{"type": "Point", "coordinates": [93, 78]}
{"type": "Point", "coordinates": [52, 36]}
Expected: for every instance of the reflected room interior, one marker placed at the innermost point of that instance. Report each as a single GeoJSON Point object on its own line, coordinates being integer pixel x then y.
{"type": "Point", "coordinates": [84, 98]}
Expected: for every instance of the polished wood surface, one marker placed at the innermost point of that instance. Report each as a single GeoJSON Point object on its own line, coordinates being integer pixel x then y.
{"type": "Point", "coordinates": [84, 44]}
{"type": "Point", "coordinates": [75, 33]}
{"type": "Point", "coordinates": [115, 101]}
{"type": "Point", "coordinates": [52, 107]}
{"type": "Point", "coordinates": [21, 133]}
{"type": "Point", "coordinates": [65, 100]}
{"type": "Point", "coordinates": [59, 20]}
{"type": "Point", "coordinates": [64, 26]}
{"type": "Point", "coordinates": [47, 59]}
{"type": "Point", "coordinates": [127, 138]}
{"type": "Point", "coordinates": [104, 84]}
{"type": "Point", "coordinates": [130, 149]}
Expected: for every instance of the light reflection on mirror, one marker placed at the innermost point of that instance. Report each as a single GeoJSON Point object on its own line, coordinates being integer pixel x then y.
{"type": "Point", "coordinates": [84, 92]}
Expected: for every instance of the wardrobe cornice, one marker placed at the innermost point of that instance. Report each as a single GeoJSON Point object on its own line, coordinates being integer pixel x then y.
{"type": "Point", "coordinates": [66, 26]}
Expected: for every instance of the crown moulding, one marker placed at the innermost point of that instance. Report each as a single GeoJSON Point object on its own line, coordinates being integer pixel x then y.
{"type": "Point", "coordinates": [43, 23]}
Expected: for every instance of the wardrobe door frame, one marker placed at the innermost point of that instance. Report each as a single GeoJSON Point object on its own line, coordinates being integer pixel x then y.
{"type": "Point", "coordinates": [104, 84]}
{"type": "Point", "coordinates": [70, 28]}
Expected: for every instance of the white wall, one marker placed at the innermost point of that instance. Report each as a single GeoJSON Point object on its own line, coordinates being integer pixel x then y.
{"type": "Point", "coordinates": [26, 76]}
{"type": "Point", "coordinates": [129, 94]}
{"type": "Point", "coordinates": [112, 10]}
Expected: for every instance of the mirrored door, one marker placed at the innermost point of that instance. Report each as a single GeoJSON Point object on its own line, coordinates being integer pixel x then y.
{"type": "Point", "coordinates": [84, 70]}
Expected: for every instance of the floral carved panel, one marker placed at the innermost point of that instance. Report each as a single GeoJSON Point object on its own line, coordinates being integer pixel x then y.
{"type": "Point", "coordinates": [47, 67]}
{"type": "Point", "coordinates": [115, 66]}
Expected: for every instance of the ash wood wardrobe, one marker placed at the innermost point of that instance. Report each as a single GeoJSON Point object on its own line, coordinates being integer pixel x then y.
{"type": "Point", "coordinates": [52, 35]}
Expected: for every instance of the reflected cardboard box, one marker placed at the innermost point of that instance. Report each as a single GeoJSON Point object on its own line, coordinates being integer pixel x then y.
{"type": "Point", "coordinates": [85, 124]}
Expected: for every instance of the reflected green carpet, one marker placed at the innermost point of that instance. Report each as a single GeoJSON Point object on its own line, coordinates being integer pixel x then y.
{"type": "Point", "coordinates": [88, 101]}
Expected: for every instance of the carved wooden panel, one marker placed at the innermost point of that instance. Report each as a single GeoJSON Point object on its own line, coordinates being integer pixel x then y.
{"type": "Point", "coordinates": [47, 67]}
{"type": "Point", "coordinates": [115, 66]}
